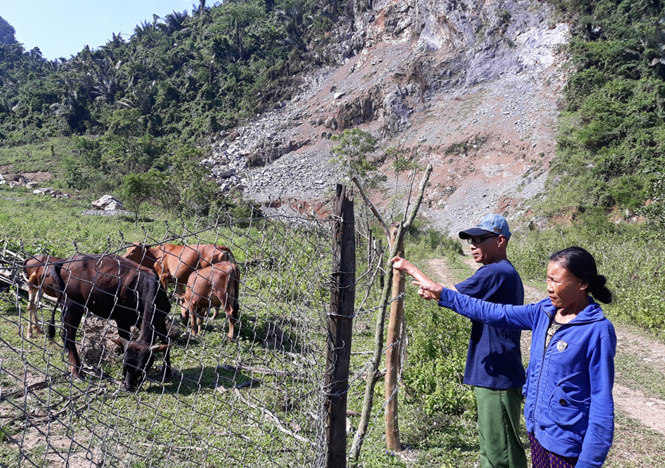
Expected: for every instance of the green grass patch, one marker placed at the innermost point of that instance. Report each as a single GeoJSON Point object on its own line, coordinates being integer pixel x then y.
{"type": "Point", "coordinates": [628, 256]}
{"type": "Point", "coordinates": [42, 156]}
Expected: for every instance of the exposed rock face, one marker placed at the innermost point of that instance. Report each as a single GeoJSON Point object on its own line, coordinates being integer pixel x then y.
{"type": "Point", "coordinates": [470, 86]}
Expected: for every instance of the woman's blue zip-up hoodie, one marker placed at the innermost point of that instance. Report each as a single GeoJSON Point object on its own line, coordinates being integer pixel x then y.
{"type": "Point", "coordinates": [569, 405]}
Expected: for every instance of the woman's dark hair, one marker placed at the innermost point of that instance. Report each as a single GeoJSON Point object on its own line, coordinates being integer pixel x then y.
{"type": "Point", "coordinates": [582, 264]}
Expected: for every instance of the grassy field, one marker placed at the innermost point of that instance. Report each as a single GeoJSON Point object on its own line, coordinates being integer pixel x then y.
{"type": "Point", "coordinates": [264, 389]}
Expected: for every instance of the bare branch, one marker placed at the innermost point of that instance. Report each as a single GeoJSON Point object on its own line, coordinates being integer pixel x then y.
{"type": "Point", "coordinates": [421, 193]}
{"type": "Point", "coordinates": [412, 177]}
{"type": "Point", "coordinates": [274, 418]}
{"type": "Point", "coordinates": [373, 208]}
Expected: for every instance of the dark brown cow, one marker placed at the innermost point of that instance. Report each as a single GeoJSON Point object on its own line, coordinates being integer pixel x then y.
{"type": "Point", "coordinates": [216, 285]}
{"type": "Point", "coordinates": [37, 286]}
{"type": "Point", "coordinates": [174, 263]}
{"type": "Point", "coordinates": [115, 288]}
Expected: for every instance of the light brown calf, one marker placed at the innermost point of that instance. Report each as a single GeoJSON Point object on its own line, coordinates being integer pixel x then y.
{"type": "Point", "coordinates": [218, 286]}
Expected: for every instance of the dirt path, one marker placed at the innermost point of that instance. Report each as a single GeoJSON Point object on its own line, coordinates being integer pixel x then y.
{"type": "Point", "coordinates": [635, 354]}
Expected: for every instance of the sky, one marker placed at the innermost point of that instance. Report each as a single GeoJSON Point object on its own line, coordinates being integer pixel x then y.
{"type": "Point", "coordinates": [62, 28]}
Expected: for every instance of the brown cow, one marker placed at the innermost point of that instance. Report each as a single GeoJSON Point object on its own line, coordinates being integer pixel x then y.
{"type": "Point", "coordinates": [115, 288]}
{"type": "Point", "coordinates": [216, 285]}
{"type": "Point", "coordinates": [174, 263]}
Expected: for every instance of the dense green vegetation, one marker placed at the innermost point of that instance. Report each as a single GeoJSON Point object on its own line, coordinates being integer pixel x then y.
{"type": "Point", "coordinates": [611, 146]}
{"type": "Point", "coordinates": [181, 77]}
{"type": "Point", "coordinates": [610, 155]}
{"type": "Point", "coordinates": [148, 105]}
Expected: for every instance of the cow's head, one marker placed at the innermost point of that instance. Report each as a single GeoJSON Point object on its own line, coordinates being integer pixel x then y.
{"type": "Point", "coordinates": [139, 253]}
{"type": "Point", "coordinates": [137, 360]}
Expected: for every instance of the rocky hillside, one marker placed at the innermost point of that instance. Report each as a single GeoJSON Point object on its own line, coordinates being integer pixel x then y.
{"type": "Point", "coordinates": [469, 86]}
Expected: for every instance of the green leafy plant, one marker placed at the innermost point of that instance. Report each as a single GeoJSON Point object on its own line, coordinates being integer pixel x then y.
{"type": "Point", "coordinates": [353, 154]}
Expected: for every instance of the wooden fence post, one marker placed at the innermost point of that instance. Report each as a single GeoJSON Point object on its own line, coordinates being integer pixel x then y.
{"type": "Point", "coordinates": [393, 352]}
{"type": "Point", "coordinates": [342, 301]}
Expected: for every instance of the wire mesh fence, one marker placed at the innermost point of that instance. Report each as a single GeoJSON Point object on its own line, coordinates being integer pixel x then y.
{"type": "Point", "coordinates": [257, 400]}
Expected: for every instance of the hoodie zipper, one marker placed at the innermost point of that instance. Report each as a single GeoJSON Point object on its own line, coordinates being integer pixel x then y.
{"type": "Point", "coordinates": [540, 374]}
{"type": "Point", "coordinates": [542, 362]}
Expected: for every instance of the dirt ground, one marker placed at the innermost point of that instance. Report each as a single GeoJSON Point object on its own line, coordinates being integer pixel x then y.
{"type": "Point", "coordinates": [638, 404]}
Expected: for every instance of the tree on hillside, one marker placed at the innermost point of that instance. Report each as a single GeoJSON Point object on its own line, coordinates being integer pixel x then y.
{"type": "Point", "coordinates": [352, 154]}
{"type": "Point", "coordinates": [7, 32]}
{"type": "Point", "coordinates": [136, 190]}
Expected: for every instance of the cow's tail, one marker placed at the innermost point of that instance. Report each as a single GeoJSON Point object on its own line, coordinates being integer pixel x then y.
{"type": "Point", "coordinates": [59, 287]}
{"type": "Point", "coordinates": [51, 325]}
{"type": "Point", "coordinates": [235, 291]}
{"type": "Point", "coordinates": [24, 266]}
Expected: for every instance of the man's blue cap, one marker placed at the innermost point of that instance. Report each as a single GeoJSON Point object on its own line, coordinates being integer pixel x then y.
{"type": "Point", "coordinates": [490, 224]}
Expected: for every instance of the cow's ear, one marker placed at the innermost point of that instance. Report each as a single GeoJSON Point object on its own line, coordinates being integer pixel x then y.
{"type": "Point", "coordinates": [120, 342]}
{"type": "Point", "coordinates": [160, 348]}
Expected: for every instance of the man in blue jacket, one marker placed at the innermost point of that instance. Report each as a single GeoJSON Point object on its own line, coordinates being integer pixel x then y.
{"type": "Point", "coordinates": [494, 361]}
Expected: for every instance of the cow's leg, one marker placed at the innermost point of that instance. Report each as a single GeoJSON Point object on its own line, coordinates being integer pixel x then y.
{"type": "Point", "coordinates": [72, 319]}
{"type": "Point", "coordinates": [229, 316]}
{"type": "Point", "coordinates": [200, 320]}
{"type": "Point", "coordinates": [225, 300]}
{"type": "Point", "coordinates": [34, 295]}
{"type": "Point", "coordinates": [167, 361]}
{"type": "Point", "coordinates": [184, 311]}
{"type": "Point", "coordinates": [194, 320]}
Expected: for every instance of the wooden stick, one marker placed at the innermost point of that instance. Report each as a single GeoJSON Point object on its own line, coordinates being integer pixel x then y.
{"type": "Point", "coordinates": [373, 373]}
{"type": "Point", "coordinates": [275, 419]}
{"type": "Point", "coordinates": [373, 208]}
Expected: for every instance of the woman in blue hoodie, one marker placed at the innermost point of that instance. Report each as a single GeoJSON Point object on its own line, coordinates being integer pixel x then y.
{"type": "Point", "coordinates": [569, 409]}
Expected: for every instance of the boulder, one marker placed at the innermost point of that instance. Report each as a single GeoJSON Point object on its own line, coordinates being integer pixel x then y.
{"type": "Point", "coordinates": [107, 203]}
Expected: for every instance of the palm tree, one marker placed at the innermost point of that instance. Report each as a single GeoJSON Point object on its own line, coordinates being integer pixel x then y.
{"type": "Point", "coordinates": [174, 22]}
{"type": "Point", "coordinates": [201, 9]}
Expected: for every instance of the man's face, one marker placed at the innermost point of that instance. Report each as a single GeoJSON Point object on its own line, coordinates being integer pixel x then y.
{"type": "Point", "coordinates": [486, 248]}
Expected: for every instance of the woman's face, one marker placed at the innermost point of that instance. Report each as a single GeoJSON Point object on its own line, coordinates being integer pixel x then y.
{"type": "Point", "coordinates": [564, 289]}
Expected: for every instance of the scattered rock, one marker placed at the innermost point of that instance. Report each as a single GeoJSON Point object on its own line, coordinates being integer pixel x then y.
{"type": "Point", "coordinates": [52, 192]}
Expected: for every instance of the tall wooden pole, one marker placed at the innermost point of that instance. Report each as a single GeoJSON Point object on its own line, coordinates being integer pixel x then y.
{"type": "Point", "coordinates": [342, 300]}
{"type": "Point", "coordinates": [373, 370]}
{"type": "Point", "coordinates": [393, 354]}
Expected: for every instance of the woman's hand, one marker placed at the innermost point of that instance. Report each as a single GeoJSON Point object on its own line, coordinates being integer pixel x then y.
{"type": "Point", "coordinates": [428, 289]}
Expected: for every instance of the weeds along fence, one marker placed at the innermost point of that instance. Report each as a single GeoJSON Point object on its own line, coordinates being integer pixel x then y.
{"type": "Point", "coordinates": [261, 400]}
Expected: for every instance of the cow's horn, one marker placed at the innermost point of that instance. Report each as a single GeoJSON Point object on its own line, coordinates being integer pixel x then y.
{"type": "Point", "coordinates": [120, 342]}
{"type": "Point", "coordinates": [159, 348]}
